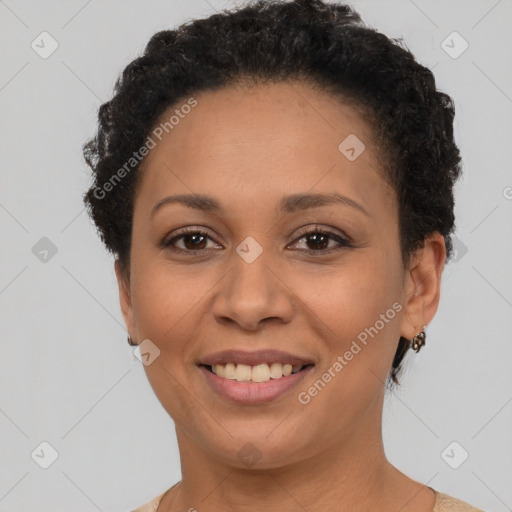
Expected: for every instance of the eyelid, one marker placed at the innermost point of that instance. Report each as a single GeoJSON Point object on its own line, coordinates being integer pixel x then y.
{"type": "Point", "coordinates": [340, 238]}
{"type": "Point", "coordinates": [187, 230]}
{"type": "Point", "coordinates": [324, 230]}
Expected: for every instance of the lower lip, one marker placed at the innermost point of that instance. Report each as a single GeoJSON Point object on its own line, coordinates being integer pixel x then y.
{"type": "Point", "coordinates": [253, 392]}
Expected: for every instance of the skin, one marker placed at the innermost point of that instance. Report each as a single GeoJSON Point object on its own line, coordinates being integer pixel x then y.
{"type": "Point", "coordinates": [247, 148]}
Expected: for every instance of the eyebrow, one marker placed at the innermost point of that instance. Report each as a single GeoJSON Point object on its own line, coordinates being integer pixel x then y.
{"type": "Point", "coordinates": [289, 204]}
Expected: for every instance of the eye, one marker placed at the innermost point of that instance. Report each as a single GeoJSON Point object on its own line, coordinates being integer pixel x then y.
{"type": "Point", "coordinates": [194, 240]}
{"type": "Point", "coordinates": [319, 239]}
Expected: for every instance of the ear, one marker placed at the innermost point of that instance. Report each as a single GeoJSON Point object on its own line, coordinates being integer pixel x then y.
{"type": "Point", "coordinates": [423, 285]}
{"type": "Point", "coordinates": [125, 300]}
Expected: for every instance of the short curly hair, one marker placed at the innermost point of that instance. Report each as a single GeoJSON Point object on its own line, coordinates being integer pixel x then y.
{"type": "Point", "coordinates": [325, 45]}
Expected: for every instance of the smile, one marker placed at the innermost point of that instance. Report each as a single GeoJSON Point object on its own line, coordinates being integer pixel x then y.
{"type": "Point", "coordinates": [258, 373]}
{"type": "Point", "coordinates": [253, 377]}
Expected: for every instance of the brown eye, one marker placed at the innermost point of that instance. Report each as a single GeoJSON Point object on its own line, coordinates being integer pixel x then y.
{"type": "Point", "coordinates": [317, 241]}
{"type": "Point", "coordinates": [194, 240]}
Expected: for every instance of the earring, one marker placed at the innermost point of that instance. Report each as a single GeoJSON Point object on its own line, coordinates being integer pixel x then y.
{"type": "Point", "coordinates": [131, 342]}
{"type": "Point", "coordinates": [419, 340]}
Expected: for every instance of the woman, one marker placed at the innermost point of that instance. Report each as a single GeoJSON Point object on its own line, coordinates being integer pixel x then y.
{"type": "Point", "coordinates": [276, 183]}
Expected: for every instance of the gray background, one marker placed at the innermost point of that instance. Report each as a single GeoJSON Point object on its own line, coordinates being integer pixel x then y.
{"type": "Point", "coordinates": [67, 375]}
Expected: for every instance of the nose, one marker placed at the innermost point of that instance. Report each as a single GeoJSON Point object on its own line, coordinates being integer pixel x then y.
{"type": "Point", "coordinates": [251, 293]}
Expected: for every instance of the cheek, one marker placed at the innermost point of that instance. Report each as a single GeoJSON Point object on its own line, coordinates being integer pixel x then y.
{"type": "Point", "coordinates": [356, 320]}
{"type": "Point", "coordinates": [357, 313]}
{"type": "Point", "coordinates": [163, 298]}
{"type": "Point", "coordinates": [351, 297]}
{"type": "Point", "coordinates": [164, 302]}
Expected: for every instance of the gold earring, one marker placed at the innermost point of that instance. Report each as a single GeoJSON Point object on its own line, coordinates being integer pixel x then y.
{"type": "Point", "coordinates": [419, 340]}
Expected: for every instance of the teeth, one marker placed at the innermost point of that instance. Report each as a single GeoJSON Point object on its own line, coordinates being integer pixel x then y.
{"type": "Point", "coordinates": [219, 370]}
{"type": "Point", "coordinates": [258, 373]}
{"type": "Point", "coordinates": [243, 372]}
{"type": "Point", "coordinates": [229, 371]}
{"type": "Point", "coordinates": [276, 370]}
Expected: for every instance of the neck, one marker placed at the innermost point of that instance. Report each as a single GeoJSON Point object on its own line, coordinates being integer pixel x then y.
{"type": "Point", "coordinates": [351, 474]}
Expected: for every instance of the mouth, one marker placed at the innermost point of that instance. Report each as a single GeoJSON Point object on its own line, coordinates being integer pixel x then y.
{"type": "Point", "coordinates": [254, 377]}
{"type": "Point", "coordinates": [258, 373]}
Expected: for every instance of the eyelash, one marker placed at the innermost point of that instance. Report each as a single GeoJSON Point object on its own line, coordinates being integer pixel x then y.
{"type": "Point", "coordinates": [317, 230]}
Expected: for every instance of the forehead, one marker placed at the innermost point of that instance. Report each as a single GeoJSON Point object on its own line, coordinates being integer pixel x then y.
{"type": "Point", "coordinates": [261, 142]}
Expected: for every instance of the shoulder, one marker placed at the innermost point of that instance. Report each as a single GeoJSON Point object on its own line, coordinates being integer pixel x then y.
{"type": "Point", "coordinates": [150, 506]}
{"type": "Point", "coordinates": [445, 503]}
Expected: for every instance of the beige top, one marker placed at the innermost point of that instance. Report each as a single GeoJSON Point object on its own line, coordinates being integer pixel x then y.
{"type": "Point", "coordinates": [443, 503]}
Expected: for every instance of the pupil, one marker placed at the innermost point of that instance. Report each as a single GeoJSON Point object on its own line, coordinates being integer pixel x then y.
{"type": "Point", "coordinates": [193, 245]}
{"type": "Point", "coordinates": [316, 236]}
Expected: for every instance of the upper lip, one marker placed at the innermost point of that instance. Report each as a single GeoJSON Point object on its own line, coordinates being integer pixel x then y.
{"type": "Point", "coordinates": [254, 358]}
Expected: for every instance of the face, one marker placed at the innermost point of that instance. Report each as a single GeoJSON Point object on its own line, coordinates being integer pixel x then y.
{"type": "Point", "coordinates": [251, 276]}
